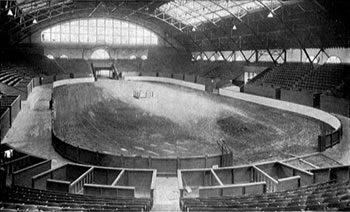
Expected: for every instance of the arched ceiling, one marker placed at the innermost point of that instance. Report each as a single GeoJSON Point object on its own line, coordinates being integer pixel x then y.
{"type": "Point", "coordinates": [197, 25]}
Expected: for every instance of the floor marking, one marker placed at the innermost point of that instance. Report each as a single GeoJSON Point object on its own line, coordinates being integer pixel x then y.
{"type": "Point", "coordinates": [167, 143]}
{"type": "Point", "coordinates": [153, 145]}
{"type": "Point", "coordinates": [168, 151]}
{"type": "Point", "coordinates": [139, 148]}
{"type": "Point", "coordinates": [124, 150]}
{"type": "Point", "coordinates": [153, 153]}
{"type": "Point", "coordinates": [183, 148]}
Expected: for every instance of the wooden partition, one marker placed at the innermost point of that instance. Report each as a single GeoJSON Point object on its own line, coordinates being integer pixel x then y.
{"type": "Point", "coordinates": [78, 178]}
{"type": "Point", "coordinates": [329, 140]}
{"type": "Point", "coordinates": [78, 185]}
{"type": "Point", "coordinates": [21, 167]}
{"type": "Point", "coordinates": [261, 176]}
{"type": "Point", "coordinates": [57, 185]}
{"type": "Point", "coordinates": [12, 102]}
{"type": "Point", "coordinates": [336, 173]}
{"type": "Point", "coordinates": [336, 105]}
{"type": "Point", "coordinates": [109, 190]}
{"type": "Point", "coordinates": [232, 190]}
{"type": "Point", "coordinates": [265, 91]}
{"type": "Point", "coordinates": [5, 122]}
{"type": "Point", "coordinates": [23, 177]}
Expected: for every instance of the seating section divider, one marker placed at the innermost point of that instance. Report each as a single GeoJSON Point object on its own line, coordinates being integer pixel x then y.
{"type": "Point", "coordinates": [267, 177]}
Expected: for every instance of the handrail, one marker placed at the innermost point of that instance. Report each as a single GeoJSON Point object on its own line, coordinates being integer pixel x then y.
{"type": "Point", "coordinates": [329, 168]}
{"type": "Point", "coordinates": [109, 186]}
{"type": "Point", "coordinates": [234, 185]}
{"type": "Point", "coordinates": [179, 179]}
{"type": "Point", "coordinates": [295, 168]}
{"type": "Point", "coordinates": [118, 177]}
{"type": "Point", "coordinates": [216, 177]}
{"type": "Point", "coordinates": [259, 175]}
{"type": "Point", "coordinates": [288, 178]}
{"type": "Point", "coordinates": [77, 185]}
{"type": "Point", "coordinates": [154, 176]}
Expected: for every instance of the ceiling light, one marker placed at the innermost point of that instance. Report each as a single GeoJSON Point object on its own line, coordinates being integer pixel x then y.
{"type": "Point", "coordinates": [270, 15]}
{"type": "Point", "coordinates": [9, 13]}
{"type": "Point", "coordinates": [35, 21]}
{"type": "Point", "coordinates": [193, 29]}
{"type": "Point", "coordinates": [234, 27]}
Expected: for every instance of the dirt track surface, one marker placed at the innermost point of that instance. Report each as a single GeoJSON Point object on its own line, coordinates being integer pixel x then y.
{"type": "Point", "coordinates": [177, 122]}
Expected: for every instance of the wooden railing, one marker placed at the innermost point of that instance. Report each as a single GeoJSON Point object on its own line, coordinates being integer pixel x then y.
{"type": "Point", "coordinates": [259, 175]}
{"type": "Point", "coordinates": [78, 185]}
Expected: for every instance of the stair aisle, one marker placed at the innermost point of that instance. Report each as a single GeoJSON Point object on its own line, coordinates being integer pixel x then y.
{"type": "Point", "coordinates": [166, 195]}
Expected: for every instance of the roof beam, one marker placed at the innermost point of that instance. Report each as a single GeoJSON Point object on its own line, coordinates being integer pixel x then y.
{"type": "Point", "coordinates": [302, 46]}
{"type": "Point", "coordinates": [94, 10]}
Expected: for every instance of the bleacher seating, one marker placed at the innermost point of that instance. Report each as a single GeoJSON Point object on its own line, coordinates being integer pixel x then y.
{"type": "Point", "coordinates": [327, 77]}
{"type": "Point", "coordinates": [329, 196]}
{"type": "Point", "coordinates": [15, 80]}
{"type": "Point", "coordinates": [331, 78]}
{"type": "Point", "coordinates": [284, 76]}
{"type": "Point", "coordinates": [41, 200]}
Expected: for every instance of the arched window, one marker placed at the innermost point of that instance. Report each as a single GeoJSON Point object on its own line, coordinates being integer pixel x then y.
{"type": "Point", "coordinates": [50, 56]}
{"type": "Point", "coordinates": [132, 57]}
{"type": "Point", "coordinates": [64, 56]}
{"type": "Point", "coordinates": [144, 57]}
{"type": "Point", "coordinates": [100, 54]}
{"type": "Point", "coordinates": [333, 59]}
{"type": "Point", "coordinates": [103, 31]}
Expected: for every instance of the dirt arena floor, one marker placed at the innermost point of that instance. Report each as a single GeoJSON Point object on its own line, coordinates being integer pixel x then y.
{"type": "Point", "coordinates": [177, 121]}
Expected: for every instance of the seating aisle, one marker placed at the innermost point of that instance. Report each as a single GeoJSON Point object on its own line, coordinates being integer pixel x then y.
{"type": "Point", "coordinates": [31, 130]}
{"type": "Point", "coordinates": [166, 195]}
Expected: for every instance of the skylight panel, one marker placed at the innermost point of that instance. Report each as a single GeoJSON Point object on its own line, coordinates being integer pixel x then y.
{"type": "Point", "coordinates": [191, 12]}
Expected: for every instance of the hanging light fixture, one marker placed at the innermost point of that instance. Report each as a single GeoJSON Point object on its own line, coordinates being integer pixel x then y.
{"type": "Point", "coordinates": [9, 13]}
{"type": "Point", "coordinates": [194, 29]}
{"type": "Point", "coordinates": [270, 15]}
{"type": "Point", "coordinates": [234, 27]}
{"type": "Point", "coordinates": [35, 21]}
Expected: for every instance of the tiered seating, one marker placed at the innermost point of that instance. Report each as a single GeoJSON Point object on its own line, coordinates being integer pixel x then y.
{"type": "Point", "coordinates": [319, 197]}
{"type": "Point", "coordinates": [11, 76]}
{"type": "Point", "coordinates": [284, 76]}
{"type": "Point", "coordinates": [35, 200]}
{"type": "Point", "coordinates": [15, 81]}
{"type": "Point", "coordinates": [326, 77]}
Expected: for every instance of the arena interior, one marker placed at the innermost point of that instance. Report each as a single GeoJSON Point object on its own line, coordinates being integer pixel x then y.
{"type": "Point", "coordinates": [174, 105]}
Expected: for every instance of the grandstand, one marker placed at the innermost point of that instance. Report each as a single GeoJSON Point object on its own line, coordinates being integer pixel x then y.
{"type": "Point", "coordinates": [174, 105]}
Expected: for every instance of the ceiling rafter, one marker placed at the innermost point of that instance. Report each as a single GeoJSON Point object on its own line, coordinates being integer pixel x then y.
{"type": "Point", "coordinates": [302, 46]}
{"type": "Point", "coordinates": [248, 26]}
